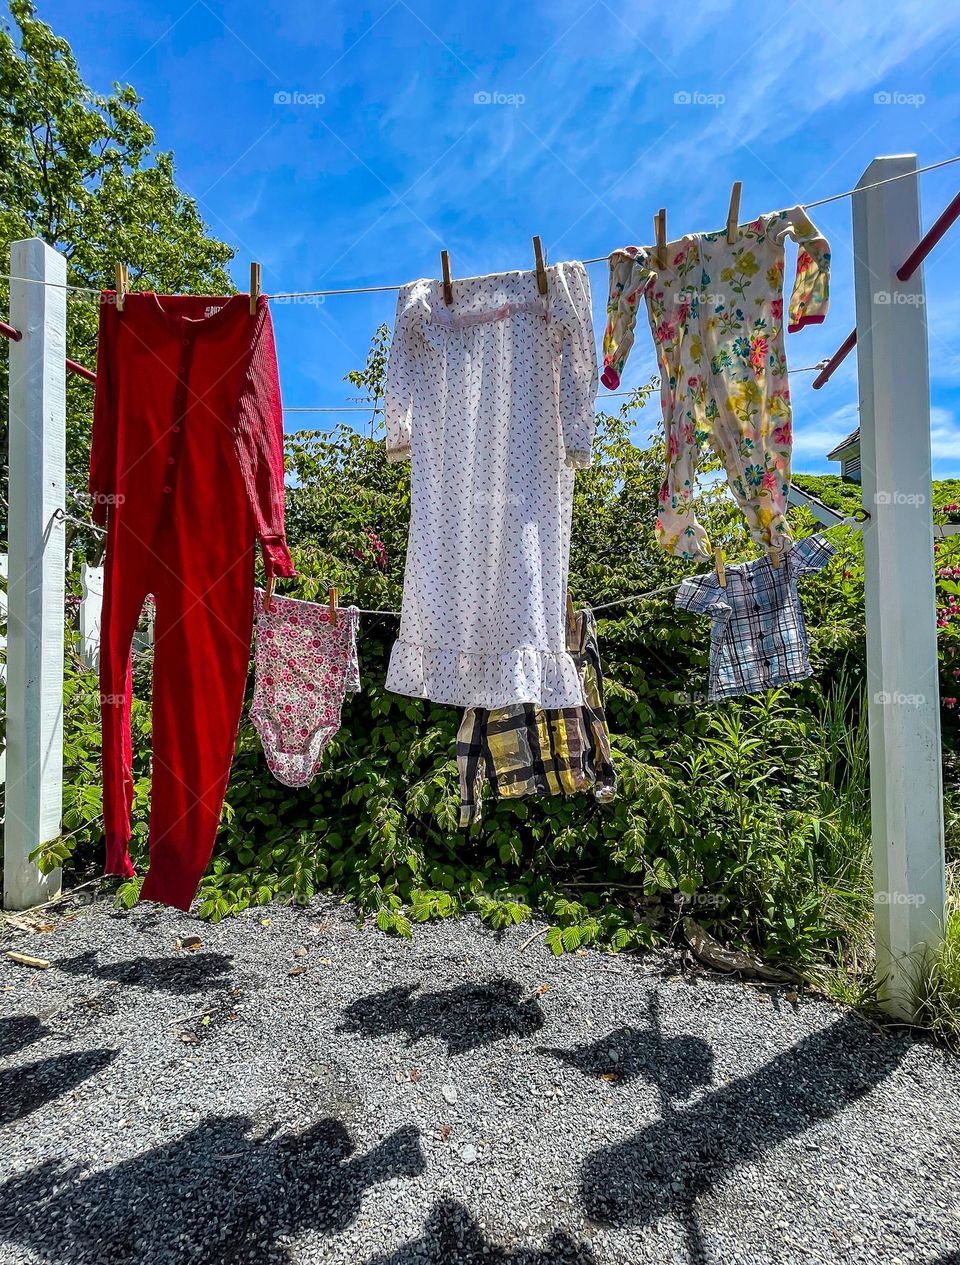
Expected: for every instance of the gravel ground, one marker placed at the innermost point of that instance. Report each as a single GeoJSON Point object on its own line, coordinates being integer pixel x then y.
{"type": "Point", "coordinates": [297, 1089]}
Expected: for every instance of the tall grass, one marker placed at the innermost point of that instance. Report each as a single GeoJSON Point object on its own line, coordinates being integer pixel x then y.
{"type": "Point", "coordinates": [939, 984]}
{"type": "Point", "coordinates": [848, 903]}
{"type": "Point", "coordinates": [844, 801]}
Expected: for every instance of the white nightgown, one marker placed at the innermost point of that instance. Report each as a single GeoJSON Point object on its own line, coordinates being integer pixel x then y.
{"type": "Point", "coordinates": [492, 399]}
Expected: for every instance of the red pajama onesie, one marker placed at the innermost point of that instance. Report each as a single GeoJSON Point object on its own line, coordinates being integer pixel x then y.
{"type": "Point", "coordinates": [186, 468]}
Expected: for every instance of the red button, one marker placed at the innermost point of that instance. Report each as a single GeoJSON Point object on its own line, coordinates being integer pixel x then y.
{"type": "Point", "coordinates": [176, 430]}
{"type": "Point", "coordinates": [168, 489]}
{"type": "Point", "coordinates": [169, 461]}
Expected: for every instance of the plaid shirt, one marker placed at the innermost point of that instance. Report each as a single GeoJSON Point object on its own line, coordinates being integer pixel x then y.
{"type": "Point", "coordinates": [758, 639]}
{"type": "Point", "coordinates": [526, 750]}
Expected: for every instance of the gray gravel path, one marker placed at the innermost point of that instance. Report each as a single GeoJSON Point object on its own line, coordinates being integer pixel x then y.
{"type": "Point", "coordinates": [297, 1090]}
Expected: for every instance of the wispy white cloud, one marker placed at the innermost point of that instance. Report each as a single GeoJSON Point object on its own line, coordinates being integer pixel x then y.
{"type": "Point", "coordinates": [945, 435]}
{"type": "Point", "coordinates": [811, 443]}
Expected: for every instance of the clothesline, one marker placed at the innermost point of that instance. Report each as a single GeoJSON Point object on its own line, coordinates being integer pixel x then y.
{"type": "Point", "coordinates": [620, 601]}
{"type": "Point", "coordinates": [636, 597]}
{"type": "Point", "coordinates": [63, 517]}
{"type": "Point", "coordinates": [604, 606]}
{"type": "Point", "coordinates": [600, 259]}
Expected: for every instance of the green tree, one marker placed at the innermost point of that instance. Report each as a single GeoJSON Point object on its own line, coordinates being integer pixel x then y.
{"type": "Point", "coordinates": [81, 170]}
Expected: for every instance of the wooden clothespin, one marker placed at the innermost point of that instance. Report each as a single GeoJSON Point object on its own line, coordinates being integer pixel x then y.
{"type": "Point", "coordinates": [571, 620]}
{"type": "Point", "coordinates": [733, 214]}
{"type": "Point", "coordinates": [774, 556]}
{"type": "Point", "coordinates": [541, 270]}
{"type": "Point", "coordinates": [660, 229]}
{"type": "Point", "coordinates": [254, 288]}
{"type": "Point", "coordinates": [121, 284]}
{"type": "Point", "coordinates": [721, 569]}
{"type": "Point", "coordinates": [268, 592]}
{"type": "Point", "coordinates": [332, 606]}
{"type": "Point", "coordinates": [447, 279]}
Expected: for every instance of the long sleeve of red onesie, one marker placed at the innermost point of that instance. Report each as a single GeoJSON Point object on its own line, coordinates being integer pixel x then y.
{"type": "Point", "coordinates": [259, 443]}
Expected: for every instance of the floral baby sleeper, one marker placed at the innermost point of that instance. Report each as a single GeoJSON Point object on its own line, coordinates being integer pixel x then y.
{"type": "Point", "coordinates": [716, 314]}
{"type": "Point", "coordinates": [304, 668]}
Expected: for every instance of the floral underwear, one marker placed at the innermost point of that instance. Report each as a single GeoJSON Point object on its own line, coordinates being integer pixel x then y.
{"type": "Point", "coordinates": [304, 668]}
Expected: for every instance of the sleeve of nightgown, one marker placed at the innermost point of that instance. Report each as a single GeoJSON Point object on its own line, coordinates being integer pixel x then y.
{"type": "Point", "coordinates": [631, 273]}
{"type": "Point", "coordinates": [571, 309]}
{"type": "Point", "coordinates": [402, 368]}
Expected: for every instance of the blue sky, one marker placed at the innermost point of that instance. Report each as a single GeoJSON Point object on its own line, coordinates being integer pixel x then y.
{"type": "Point", "coordinates": [386, 155]}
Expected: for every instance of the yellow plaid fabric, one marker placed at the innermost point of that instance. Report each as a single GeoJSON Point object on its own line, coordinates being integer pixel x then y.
{"type": "Point", "coordinates": [526, 750]}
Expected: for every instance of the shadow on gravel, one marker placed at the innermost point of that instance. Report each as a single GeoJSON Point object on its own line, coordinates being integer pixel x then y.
{"type": "Point", "coordinates": [214, 1196]}
{"type": "Point", "coordinates": [663, 1169]}
{"type": "Point", "coordinates": [677, 1065]}
{"type": "Point", "coordinates": [465, 1016]}
{"type": "Point", "coordinates": [24, 1089]}
{"type": "Point", "coordinates": [19, 1031]}
{"type": "Point", "coordinates": [952, 1258]}
{"type": "Point", "coordinates": [184, 973]}
{"type": "Point", "coordinates": [451, 1235]}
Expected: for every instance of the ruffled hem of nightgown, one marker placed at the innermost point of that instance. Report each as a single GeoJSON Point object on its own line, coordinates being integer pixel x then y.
{"type": "Point", "coordinates": [525, 675]}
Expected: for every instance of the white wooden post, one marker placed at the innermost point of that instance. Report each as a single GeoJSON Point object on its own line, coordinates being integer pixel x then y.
{"type": "Point", "coordinates": [144, 635]}
{"type": "Point", "coordinates": [902, 678]}
{"type": "Point", "coordinates": [36, 561]}
{"type": "Point", "coordinates": [3, 666]}
{"type": "Point", "coordinates": [91, 609]}
{"type": "Point", "coordinates": [3, 615]}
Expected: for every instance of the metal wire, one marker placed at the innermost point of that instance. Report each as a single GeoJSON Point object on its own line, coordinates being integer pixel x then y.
{"type": "Point", "coordinates": [54, 285]}
{"type": "Point", "coordinates": [63, 517]}
{"type": "Point", "coordinates": [600, 259]}
{"type": "Point", "coordinates": [637, 597]}
{"type": "Point", "coordinates": [604, 606]}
